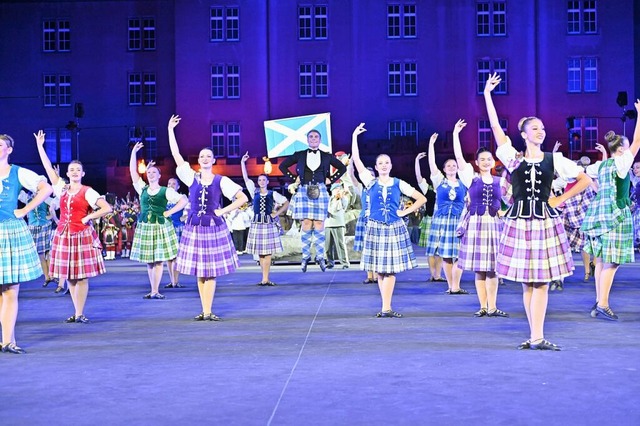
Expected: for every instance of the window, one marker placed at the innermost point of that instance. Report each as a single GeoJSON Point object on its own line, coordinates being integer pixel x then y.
{"type": "Point", "coordinates": [142, 89]}
{"type": "Point", "coordinates": [582, 75]}
{"type": "Point", "coordinates": [403, 129]}
{"type": "Point", "coordinates": [142, 33]}
{"type": "Point", "coordinates": [313, 80]}
{"type": "Point", "coordinates": [590, 132]}
{"type": "Point", "coordinates": [401, 21]}
{"type": "Point", "coordinates": [225, 81]}
{"type": "Point", "coordinates": [312, 22]}
{"type": "Point", "coordinates": [402, 79]}
{"type": "Point", "coordinates": [489, 66]}
{"type": "Point", "coordinates": [56, 90]}
{"type": "Point", "coordinates": [224, 24]}
{"type": "Point", "coordinates": [491, 18]}
{"type": "Point", "coordinates": [146, 135]}
{"type": "Point", "coordinates": [56, 35]}
{"type": "Point", "coordinates": [225, 139]}
{"type": "Point", "coordinates": [582, 17]}
{"type": "Point", "coordinates": [485, 135]}
{"type": "Point", "coordinates": [57, 144]}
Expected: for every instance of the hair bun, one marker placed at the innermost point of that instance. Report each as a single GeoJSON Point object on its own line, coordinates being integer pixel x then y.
{"type": "Point", "coordinates": [610, 136]}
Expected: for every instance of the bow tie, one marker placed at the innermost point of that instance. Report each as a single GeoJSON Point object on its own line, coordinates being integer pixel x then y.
{"type": "Point", "coordinates": [312, 151]}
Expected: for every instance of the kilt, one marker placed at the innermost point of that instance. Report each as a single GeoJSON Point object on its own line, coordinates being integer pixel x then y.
{"type": "Point", "coordinates": [613, 246]}
{"type": "Point", "coordinates": [387, 248]}
{"type": "Point", "coordinates": [76, 256]}
{"type": "Point", "coordinates": [206, 251]}
{"type": "Point", "coordinates": [42, 237]}
{"type": "Point", "coordinates": [479, 243]}
{"type": "Point", "coordinates": [305, 208]}
{"type": "Point", "coordinates": [264, 239]}
{"type": "Point", "coordinates": [19, 261]}
{"type": "Point", "coordinates": [443, 240]}
{"type": "Point", "coordinates": [154, 242]}
{"type": "Point", "coordinates": [361, 225]}
{"type": "Point", "coordinates": [576, 239]}
{"type": "Point", "coordinates": [425, 226]}
{"type": "Point", "coordinates": [534, 251]}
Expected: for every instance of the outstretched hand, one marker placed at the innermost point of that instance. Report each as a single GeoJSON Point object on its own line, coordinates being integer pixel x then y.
{"type": "Point", "coordinates": [137, 147]}
{"type": "Point", "coordinates": [433, 139]}
{"type": "Point", "coordinates": [174, 121]}
{"type": "Point", "coordinates": [359, 130]}
{"type": "Point", "coordinates": [245, 157]}
{"type": "Point", "coordinates": [600, 147]}
{"type": "Point", "coordinates": [39, 137]}
{"type": "Point", "coordinates": [556, 146]}
{"type": "Point", "coordinates": [492, 82]}
{"type": "Point", "coordinates": [461, 124]}
{"type": "Point", "coordinates": [420, 156]}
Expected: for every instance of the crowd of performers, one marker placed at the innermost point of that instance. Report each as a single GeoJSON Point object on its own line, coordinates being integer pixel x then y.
{"type": "Point", "coordinates": [520, 226]}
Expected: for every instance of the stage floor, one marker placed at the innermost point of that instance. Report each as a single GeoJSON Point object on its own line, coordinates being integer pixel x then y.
{"type": "Point", "coordinates": [310, 352]}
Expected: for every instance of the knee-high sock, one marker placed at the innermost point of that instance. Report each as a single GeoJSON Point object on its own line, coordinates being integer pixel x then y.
{"type": "Point", "coordinates": [305, 237]}
{"type": "Point", "coordinates": [319, 243]}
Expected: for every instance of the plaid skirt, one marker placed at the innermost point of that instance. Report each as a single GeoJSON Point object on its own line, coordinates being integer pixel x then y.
{"type": "Point", "coordinates": [178, 230]}
{"type": "Point", "coordinates": [305, 208]}
{"type": "Point", "coordinates": [361, 225]}
{"type": "Point", "coordinates": [479, 243]}
{"type": "Point", "coordinates": [443, 240]}
{"type": "Point", "coordinates": [76, 256]}
{"type": "Point", "coordinates": [154, 242]}
{"type": "Point", "coordinates": [19, 261]}
{"type": "Point", "coordinates": [576, 238]}
{"type": "Point", "coordinates": [615, 246]}
{"type": "Point", "coordinates": [42, 237]}
{"type": "Point", "coordinates": [264, 239]}
{"type": "Point", "coordinates": [206, 251]}
{"type": "Point", "coordinates": [387, 248]}
{"type": "Point", "coordinates": [425, 226]}
{"type": "Point", "coordinates": [534, 251]}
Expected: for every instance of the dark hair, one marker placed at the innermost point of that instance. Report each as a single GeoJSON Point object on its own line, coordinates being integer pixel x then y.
{"type": "Point", "coordinates": [75, 162]}
{"type": "Point", "coordinates": [314, 131]}
{"type": "Point", "coordinates": [614, 141]}
{"type": "Point", "coordinates": [208, 148]}
{"type": "Point", "coordinates": [265, 175]}
{"type": "Point", "coordinates": [524, 121]}
{"type": "Point", "coordinates": [481, 150]}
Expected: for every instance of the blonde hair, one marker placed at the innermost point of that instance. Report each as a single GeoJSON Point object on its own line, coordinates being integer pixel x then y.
{"type": "Point", "coordinates": [8, 140]}
{"type": "Point", "coordinates": [614, 141]}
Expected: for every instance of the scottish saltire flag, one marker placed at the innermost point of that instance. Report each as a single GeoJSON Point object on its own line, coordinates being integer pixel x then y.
{"type": "Point", "coordinates": [288, 135]}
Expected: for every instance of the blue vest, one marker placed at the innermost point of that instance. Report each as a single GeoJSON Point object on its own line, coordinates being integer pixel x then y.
{"type": "Point", "coordinates": [9, 196]}
{"type": "Point", "coordinates": [385, 210]}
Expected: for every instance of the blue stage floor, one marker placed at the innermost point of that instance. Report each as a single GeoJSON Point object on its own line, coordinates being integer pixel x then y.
{"type": "Point", "coordinates": [310, 352]}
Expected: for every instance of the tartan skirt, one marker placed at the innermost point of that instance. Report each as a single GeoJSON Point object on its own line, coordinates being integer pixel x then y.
{"type": "Point", "coordinates": [443, 240]}
{"type": "Point", "coordinates": [154, 242]}
{"type": "Point", "coordinates": [306, 208]}
{"type": "Point", "coordinates": [425, 226]}
{"type": "Point", "coordinates": [42, 237]}
{"type": "Point", "coordinates": [361, 225]}
{"type": "Point", "coordinates": [615, 246]}
{"type": "Point", "coordinates": [264, 239]}
{"type": "Point", "coordinates": [19, 261]}
{"type": "Point", "coordinates": [206, 251]}
{"type": "Point", "coordinates": [576, 238]}
{"type": "Point", "coordinates": [178, 230]}
{"type": "Point", "coordinates": [387, 248]}
{"type": "Point", "coordinates": [534, 251]}
{"type": "Point", "coordinates": [479, 243]}
{"type": "Point", "coordinates": [76, 256]}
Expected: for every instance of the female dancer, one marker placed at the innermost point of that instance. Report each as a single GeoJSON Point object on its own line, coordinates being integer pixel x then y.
{"type": "Point", "coordinates": [206, 249]}
{"type": "Point", "coordinates": [533, 248]}
{"type": "Point", "coordinates": [264, 234]}
{"type": "Point", "coordinates": [154, 240]}
{"type": "Point", "coordinates": [608, 225]}
{"type": "Point", "coordinates": [76, 252]}
{"type": "Point", "coordinates": [387, 247]}
{"type": "Point", "coordinates": [178, 225]}
{"type": "Point", "coordinates": [435, 262]}
{"type": "Point", "coordinates": [19, 261]}
{"type": "Point", "coordinates": [443, 241]}
{"type": "Point", "coordinates": [361, 222]}
{"type": "Point", "coordinates": [479, 242]}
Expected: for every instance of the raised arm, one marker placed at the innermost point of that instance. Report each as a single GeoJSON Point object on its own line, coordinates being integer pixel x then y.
{"type": "Point", "coordinates": [357, 186]}
{"type": "Point", "coordinates": [635, 145]}
{"type": "Point", "coordinates": [457, 147]}
{"type": "Point", "coordinates": [355, 151]}
{"type": "Point", "coordinates": [51, 173]}
{"type": "Point", "coordinates": [173, 143]}
{"type": "Point", "coordinates": [243, 166]}
{"type": "Point", "coordinates": [133, 163]}
{"type": "Point", "coordinates": [433, 167]}
{"type": "Point", "coordinates": [602, 150]}
{"type": "Point", "coordinates": [498, 133]}
{"type": "Point", "coordinates": [417, 167]}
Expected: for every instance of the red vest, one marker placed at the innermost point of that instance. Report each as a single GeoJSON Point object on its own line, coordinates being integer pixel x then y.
{"type": "Point", "coordinates": [72, 209]}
